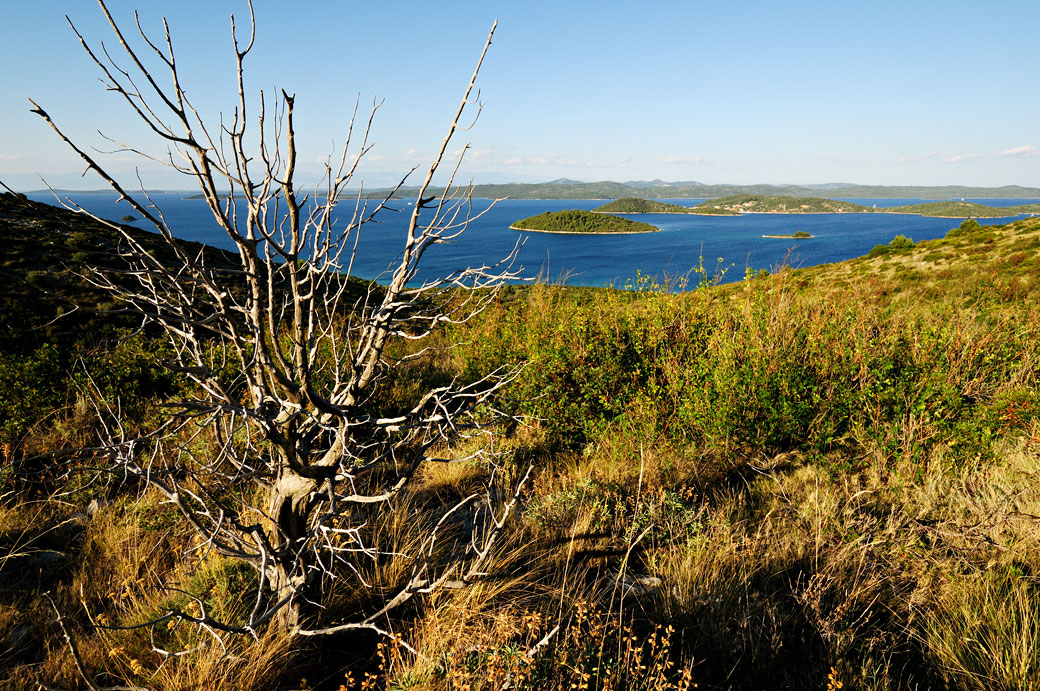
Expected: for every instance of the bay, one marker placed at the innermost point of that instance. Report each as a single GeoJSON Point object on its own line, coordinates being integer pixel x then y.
{"type": "Point", "coordinates": [729, 244]}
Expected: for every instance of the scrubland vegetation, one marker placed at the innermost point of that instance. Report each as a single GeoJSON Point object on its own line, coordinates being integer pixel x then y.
{"type": "Point", "coordinates": [823, 478]}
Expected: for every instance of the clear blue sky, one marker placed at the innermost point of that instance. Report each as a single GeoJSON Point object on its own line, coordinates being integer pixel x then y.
{"type": "Point", "coordinates": [880, 92]}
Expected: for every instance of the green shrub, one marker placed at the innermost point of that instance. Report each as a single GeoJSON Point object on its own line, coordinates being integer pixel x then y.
{"type": "Point", "coordinates": [967, 227]}
{"type": "Point", "coordinates": [771, 373]}
{"type": "Point", "coordinates": [901, 242]}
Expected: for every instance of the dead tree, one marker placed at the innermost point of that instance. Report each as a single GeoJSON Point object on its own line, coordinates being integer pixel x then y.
{"type": "Point", "coordinates": [285, 356]}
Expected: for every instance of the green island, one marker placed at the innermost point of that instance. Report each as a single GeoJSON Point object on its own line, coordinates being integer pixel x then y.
{"type": "Point", "coordinates": [753, 204]}
{"type": "Point", "coordinates": [580, 221]}
{"type": "Point", "coordinates": [797, 235]}
{"type": "Point", "coordinates": [635, 205]}
{"type": "Point", "coordinates": [953, 209]}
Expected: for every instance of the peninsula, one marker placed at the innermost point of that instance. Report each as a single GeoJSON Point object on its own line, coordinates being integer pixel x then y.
{"type": "Point", "coordinates": [579, 221]}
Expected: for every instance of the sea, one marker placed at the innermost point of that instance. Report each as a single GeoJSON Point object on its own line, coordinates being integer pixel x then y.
{"type": "Point", "coordinates": [726, 247]}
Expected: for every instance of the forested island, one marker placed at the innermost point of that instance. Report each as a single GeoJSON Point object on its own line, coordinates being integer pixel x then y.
{"type": "Point", "coordinates": [634, 205]}
{"type": "Point", "coordinates": [579, 221]}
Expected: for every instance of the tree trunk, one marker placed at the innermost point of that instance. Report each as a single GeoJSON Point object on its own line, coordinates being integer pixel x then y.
{"type": "Point", "coordinates": [287, 508]}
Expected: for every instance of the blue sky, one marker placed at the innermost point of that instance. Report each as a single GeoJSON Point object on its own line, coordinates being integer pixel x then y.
{"type": "Point", "coordinates": [878, 92]}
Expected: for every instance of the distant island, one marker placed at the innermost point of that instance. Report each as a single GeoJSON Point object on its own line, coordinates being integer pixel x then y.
{"type": "Point", "coordinates": [660, 189]}
{"type": "Point", "coordinates": [760, 204]}
{"type": "Point", "coordinates": [797, 235]}
{"type": "Point", "coordinates": [578, 221]}
{"type": "Point", "coordinates": [963, 210]}
{"type": "Point", "coordinates": [635, 205]}
{"type": "Point", "coordinates": [754, 204]}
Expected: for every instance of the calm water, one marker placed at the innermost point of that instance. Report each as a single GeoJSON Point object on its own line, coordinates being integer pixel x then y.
{"type": "Point", "coordinates": [600, 260]}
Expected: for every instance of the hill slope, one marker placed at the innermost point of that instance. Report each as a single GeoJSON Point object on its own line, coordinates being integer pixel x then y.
{"type": "Point", "coordinates": [953, 209]}
{"type": "Point", "coordinates": [45, 297]}
{"type": "Point", "coordinates": [634, 205]}
{"type": "Point", "coordinates": [579, 221]}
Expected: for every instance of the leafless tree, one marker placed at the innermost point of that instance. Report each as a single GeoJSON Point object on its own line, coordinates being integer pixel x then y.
{"type": "Point", "coordinates": [278, 457]}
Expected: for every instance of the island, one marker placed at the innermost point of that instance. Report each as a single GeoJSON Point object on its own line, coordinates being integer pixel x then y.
{"type": "Point", "coordinates": [797, 235]}
{"type": "Point", "coordinates": [963, 209]}
{"type": "Point", "coordinates": [634, 205]}
{"type": "Point", "coordinates": [753, 204]}
{"type": "Point", "coordinates": [129, 218]}
{"type": "Point", "coordinates": [579, 221]}
{"type": "Point", "coordinates": [756, 204]}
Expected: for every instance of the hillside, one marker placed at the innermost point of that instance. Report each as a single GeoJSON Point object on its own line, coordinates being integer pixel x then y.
{"type": "Point", "coordinates": [971, 260]}
{"type": "Point", "coordinates": [45, 296]}
{"type": "Point", "coordinates": [954, 209]}
{"type": "Point", "coordinates": [777, 205]}
{"type": "Point", "coordinates": [579, 221]}
{"type": "Point", "coordinates": [633, 205]}
{"type": "Point", "coordinates": [812, 477]}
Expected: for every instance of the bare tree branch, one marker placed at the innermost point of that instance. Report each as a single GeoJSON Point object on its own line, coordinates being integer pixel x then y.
{"type": "Point", "coordinates": [286, 353]}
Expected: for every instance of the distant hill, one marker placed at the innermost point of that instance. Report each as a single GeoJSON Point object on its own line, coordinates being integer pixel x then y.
{"type": "Point", "coordinates": [579, 221]}
{"type": "Point", "coordinates": [964, 210]}
{"type": "Point", "coordinates": [656, 189]}
{"type": "Point", "coordinates": [632, 205]}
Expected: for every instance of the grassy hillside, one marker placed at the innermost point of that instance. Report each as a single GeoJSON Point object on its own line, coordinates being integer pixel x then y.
{"type": "Point", "coordinates": [46, 296]}
{"type": "Point", "coordinates": [632, 205]}
{"type": "Point", "coordinates": [579, 221]}
{"type": "Point", "coordinates": [816, 478]}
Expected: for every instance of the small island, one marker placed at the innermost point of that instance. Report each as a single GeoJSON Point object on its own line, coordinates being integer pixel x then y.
{"type": "Point", "coordinates": [797, 235]}
{"type": "Point", "coordinates": [581, 222]}
{"type": "Point", "coordinates": [633, 205]}
{"type": "Point", "coordinates": [128, 218]}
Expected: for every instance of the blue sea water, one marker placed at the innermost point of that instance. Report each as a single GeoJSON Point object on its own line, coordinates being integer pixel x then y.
{"type": "Point", "coordinates": [734, 243]}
